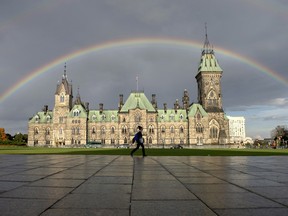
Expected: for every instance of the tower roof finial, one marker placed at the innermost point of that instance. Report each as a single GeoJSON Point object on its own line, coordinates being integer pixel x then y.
{"type": "Point", "coordinates": [207, 48]}
{"type": "Point", "coordinates": [65, 74]}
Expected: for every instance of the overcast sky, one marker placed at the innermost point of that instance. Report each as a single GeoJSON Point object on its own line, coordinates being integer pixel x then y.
{"type": "Point", "coordinates": [34, 33]}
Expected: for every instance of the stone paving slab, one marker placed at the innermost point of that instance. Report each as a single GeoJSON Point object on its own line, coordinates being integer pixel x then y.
{"type": "Point", "coordinates": [121, 185]}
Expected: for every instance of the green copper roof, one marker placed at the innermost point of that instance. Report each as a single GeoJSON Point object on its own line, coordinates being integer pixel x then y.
{"type": "Point", "coordinates": [209, 63]}
{"type": "Point", "coordinates": [171, 115]}
{"type": "Point", "coordinates": [137, 100]}
{"type": "Point", "coordinates": [42, 117]}
{"type": "Point", "coordinates": [196, 107]}
{"type": "Point", "coordinates": [105, 116]}
{"type": "Point", "coordinates": [78, 111]}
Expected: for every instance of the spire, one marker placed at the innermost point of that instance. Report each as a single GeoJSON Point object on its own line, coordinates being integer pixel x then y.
{"type": "Point", "coordinates": [207, 48]}
{"type": "Point", "coordinates": [78, 99]}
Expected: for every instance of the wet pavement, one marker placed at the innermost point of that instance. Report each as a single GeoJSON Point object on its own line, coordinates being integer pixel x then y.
{"type": "Point", "coordinates": [121, 185]}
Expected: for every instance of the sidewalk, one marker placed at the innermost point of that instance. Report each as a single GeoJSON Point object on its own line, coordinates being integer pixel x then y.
{"type": "Point", "coordinates": [121, 185]}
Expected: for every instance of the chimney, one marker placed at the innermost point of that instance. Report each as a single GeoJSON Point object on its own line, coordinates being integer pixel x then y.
{"type": "Point", "coordinates": [45, 109]}
{"type": "Point", "coordinates": [176, 105]}
{"type": "Point", "coordinates": [165, 107]}
{"type": "Point", "coordinates": [87, 106]}
{"type": "Point", "coordinates": [101, 107]}
{"type": "Point", "coordinates": [120, 101]}
{"type": "Point", "coordinates": [154, 102]}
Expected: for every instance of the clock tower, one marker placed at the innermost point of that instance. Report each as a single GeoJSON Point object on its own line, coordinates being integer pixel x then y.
{"type": "Point", "coordinates": [208, 80]}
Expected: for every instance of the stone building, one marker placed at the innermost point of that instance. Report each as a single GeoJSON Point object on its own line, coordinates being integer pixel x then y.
{"type": "Point", "coordinates": [189, 124]}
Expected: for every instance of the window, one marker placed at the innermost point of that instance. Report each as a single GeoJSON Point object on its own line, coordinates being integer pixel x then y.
{"type": "Point", "coordinates": [112, 130]}
{"type": "Point", "coordinates": [102, 130]}
{"type": "Point", "coordinates": [113, 118]}
{"type": "Point", "coordinates": [172, 130]}
{"type": "Point", "coordinates": [199, 128]}
{"type": "Point", "coordinates": [76, 113]}
{"type": "Point", "coordinates": [78, 131]}
{"type": "Point", "coordinates": [150, 140]}
{"type": "Point", "coordinates": [62, 98]}
{"type": "Point", "coordinates": [73, 131]}
{"type": "Point", "coordinates": [103, 117]}
{"type": "Point", "coordinates": [36, 118]}
{"type": "Point", "coordinates": [94, 118]}
{"type": "Point", "coordinates": [162, 117]}
{"type": "Point", "coordinates": [47, 131]}
{"type": "Point", "coordinates": [61, 131]}
{"type": "Point", "coordinates": [61, 119]}
{"type": "Point", "coordinates": [36, 131]}
{"type": "Point", "coordinates": [112, 141]}
{"type": "Point", "coordinates": [124, 130]}
{"type": "Point", "coordinates": [181, 129]}
{"type": "Point", "coordinates": [214, 132]}
{"type": "Point", "coordinates": [181, 116]}
{"type": "Point", "coordinates": [125, 140]}
{"type": "Point", "coordinates": [162, 129]}
{"type": "Point", "coordinates": [93, 130]}
{"type": "Point", "coordinates": [48, 118]}
{"type": "Point", "coordinates": [151, 129]}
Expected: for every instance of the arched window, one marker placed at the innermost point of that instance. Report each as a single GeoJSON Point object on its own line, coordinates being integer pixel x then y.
{"type": "Point", "coordinates": [214, 132]}
{"type": "Point", "coordinates": [137, 117]}
{"type": "Point", "coordinates": [47, 131]}
{"type": "Point", "coordinates": [62, 98]}
{"type": "Point", "coordinates": [48, 118]}
{"type": "Point", "coordinates": [151, 129]}
{"type": "Point", "coordinates": [162, 129]}
{"type": "Point", "coordinates": [78, 130]}
{"type": "Point", "coordinates": [181, 116]}
{"type": "Point", "coordinates": [181, 129]}
{"type": "Point", "coordinates": [102, 130]}
{"type": "Point", "coordinates": [112, 130]}
{"type": "Point", "coordinates": [112, 141]}
{"type": "Point", "coordinates": [36, 131]}
{"type": "Point", "coordinates": [76, 112]}
{"type": "Point", "coordinates": [113, 118]}
{"type": "Point", "coordinates": [73, 131]}
{"type": "Point", "coordinates": [103, 117]}
{"type": "Point", "coordinates": [37, 119]}
{"type": "Point", "coordinates": [94, 118]}
{"type": "Point", "coordinates": [124, 130]}
{"type": "Point", "coordinates": [125, 140]}
{"type": "Point", "coordinates": [199, 128]}
{"type": "Point", "coordinates": [212, 99]}
{"type": "Point", "coordinates": [150, 140]}
{"type": "Point", "coordinates": [172, 129]}
{"type": "Point", "coordinates": [93, 130]}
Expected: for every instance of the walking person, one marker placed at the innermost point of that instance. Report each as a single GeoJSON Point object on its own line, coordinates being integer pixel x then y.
{"type": "Point", "coordinates": [138, 138]}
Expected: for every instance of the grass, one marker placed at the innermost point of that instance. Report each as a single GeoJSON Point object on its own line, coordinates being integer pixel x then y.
{"type": "Point", "coordinates": [150, 152]}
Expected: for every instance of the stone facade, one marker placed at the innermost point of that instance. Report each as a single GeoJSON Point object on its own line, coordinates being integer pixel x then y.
{"type": "Point", "coordinates": [202, 123]}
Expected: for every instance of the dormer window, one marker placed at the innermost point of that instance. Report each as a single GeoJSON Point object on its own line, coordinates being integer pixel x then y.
{"type": "Point", "coordinates": [172, 117]}
{"type": "Point", "coordinates": [181, 116]}
{"type": "Point", "coordinates": [103, 117]}
{"type": "Point", "coordinates": [37, 119]}
{"type": "Point", "coordinates": [162, 117]}
{"type": "Point", "coordinates": [48, 118]}
{"type": "Point", "coordinates": [94, 118]}
{"type": "Point", "coordinates": [113, 118]}
{"type": "Point", "coordinates": [76, 113]}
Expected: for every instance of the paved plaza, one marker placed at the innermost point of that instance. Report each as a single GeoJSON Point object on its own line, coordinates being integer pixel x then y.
{"type": "Point", "coordinates": [121, 185]}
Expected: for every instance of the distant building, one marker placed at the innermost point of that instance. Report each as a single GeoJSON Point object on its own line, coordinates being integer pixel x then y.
{"type": "Point", "coordinates": [237, 129]}
{"type": "Point", "coordinates": [190, 124]}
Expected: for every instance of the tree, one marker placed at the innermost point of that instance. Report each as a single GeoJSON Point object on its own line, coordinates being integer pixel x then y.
{"type": "Point", "coordinates": [2, 134]}
{"type": "Point", "coordinates": [281, 132]}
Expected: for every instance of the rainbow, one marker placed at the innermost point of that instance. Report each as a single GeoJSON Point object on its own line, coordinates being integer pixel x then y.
{"type": "Point", "coordinates": [135, 43]}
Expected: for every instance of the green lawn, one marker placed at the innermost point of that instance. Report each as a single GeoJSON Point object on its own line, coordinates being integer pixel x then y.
{"type": "Point", "coordinates": [150, 152]}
